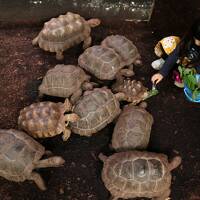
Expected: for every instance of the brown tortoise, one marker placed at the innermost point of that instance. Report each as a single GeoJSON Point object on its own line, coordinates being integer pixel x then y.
{"type": "Point", "coordinates": [47, 119]}
{"type": "Point", "coordinates": [133, 128]}
{"type": "Point", "coordinates": [65, 81]}
{"type": "Point", "coordinates": [96, 109]}
{"type": "Point", "coordinates": [106, 63]}
{"type": "Point", "coordinates": [125, 48]}
{"type": "Point", "coordinates": [134, 174]}
{"type": "Point", "coordinates": [64, 32]}
{"type": "Point", "coordinates": [20, 154]}
{"type": "Point", "coordinates": [133, 90]}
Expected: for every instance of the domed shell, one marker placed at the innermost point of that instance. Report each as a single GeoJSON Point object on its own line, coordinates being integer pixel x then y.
{"type": "Point", "coordinates": [62, 80]}
{"type": "Point", "coordinates": [125, 48]}
{"type": "Point", "coordinates": [44, 119]}
{"type": "Point", "coordinates": [63, 32]}
{"type": "Point", "coordinates": [136, 174]}
{"type": "Point", "coordinates": [100, 61]}
{"type": "Point", "coordinates": [18, 152]}
{"type": "Point", "coordinates": [133, 90]}
{"type": "Point", "coordinates": [132, 130]}
{"type": "Point", "coordinates": [95, 109]}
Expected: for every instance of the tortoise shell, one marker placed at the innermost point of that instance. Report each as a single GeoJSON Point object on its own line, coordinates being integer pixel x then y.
{"type": "Point", "coordinates": [44, 119]}
{"type": "Point", "coordinates": [124, 48]}
{"type": "Point", "coordinates": [63, 80]}
{"type": "Point", "coordinates": [136, 174]}
{"type": "Point", "coordinates": [18, 153]}
{"type": "Point", "coordinates": [65, 31]}
{"type": "Point", "coordinates": [102, 62]}
{"type": "Point", "coordinates": [133, 90]}
{"type": "Point", "coordinates": [132, 130]}
{"type": "Point", "coordinates": [96, 109]}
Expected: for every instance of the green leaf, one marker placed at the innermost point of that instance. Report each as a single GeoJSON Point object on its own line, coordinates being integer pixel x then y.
{"type": "Point", "coordinates": [151, 93]}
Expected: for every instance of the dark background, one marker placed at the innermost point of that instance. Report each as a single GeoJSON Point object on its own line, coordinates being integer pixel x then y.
{"type": "Point", "coordinates": [177, 122]}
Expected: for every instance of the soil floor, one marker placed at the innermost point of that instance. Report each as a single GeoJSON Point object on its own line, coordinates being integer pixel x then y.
{"type": "Point", "coordinates": [176, 125]}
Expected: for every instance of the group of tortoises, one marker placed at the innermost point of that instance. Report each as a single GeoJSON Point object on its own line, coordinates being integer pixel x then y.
{"type": "Point", "coordinates": [87, 109]}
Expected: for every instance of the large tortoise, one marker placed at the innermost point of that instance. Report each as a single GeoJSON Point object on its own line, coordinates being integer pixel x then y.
{"type": "Point", "coordinates": [65, 81]}
{"type": "Point", "coordinates": [133, 90]}
{"type": "Point", "coordinates": [125, 48]}
{"type": "Point", "coordinates": [47, 119]}
{"type": "Point", "coordinates": [20, 154]}
{"type": "Point", "coordinates": [64, 32]}
{"type": "Point", "coordinates": [96, 109]}
{"type": "Point", "coordinates": [134, 174]}
{"type": "Point", "coordinates": [132, 129]}
{"type": "Point", "coordinates": [107, 64]}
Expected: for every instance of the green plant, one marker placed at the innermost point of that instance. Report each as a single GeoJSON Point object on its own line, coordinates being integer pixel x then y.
{"type": "Point", "coordinates": [189, 78]}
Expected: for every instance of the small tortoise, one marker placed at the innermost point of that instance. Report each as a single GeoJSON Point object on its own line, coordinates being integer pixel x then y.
{"type": "Point", "coordinates": [125, 48]}
{"type": "Point", "coordinates": [65, 81]}
{"type": "Point", "coordinates": [108, 63]}
{"type": "Point", "coordinates": [20, 154]}
{"type": "Point", "coordinates": [133, 128]}
{"type": "Point", "coordinates": [96, 109]}
{"type": "Point", "coordinates": [64, 32]}
{"type": "Point", "coordinates": [47, 119]}
{"type": "Point", "coordinates": [133, 90]}
{"type": "Point", "coordinates": [134, 174]}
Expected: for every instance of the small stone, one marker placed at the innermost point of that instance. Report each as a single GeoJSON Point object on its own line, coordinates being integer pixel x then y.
{"type": "Point", "coordinates": [175, 151]}
{"type": "Point", "coordinates": [61, 191]}
{"type": "Point", "coordinates": [84, 166]}
{"type": "Point", "coordinates": [73, 164]}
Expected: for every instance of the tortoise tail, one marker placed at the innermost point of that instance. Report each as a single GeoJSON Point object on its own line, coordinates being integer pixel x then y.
{"type": "Point", "coordinates": [176, 161]}
{"type": "Point", "coordinates": [35, 41]}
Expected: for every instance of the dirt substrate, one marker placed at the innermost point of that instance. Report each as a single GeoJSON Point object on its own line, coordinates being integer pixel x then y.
{"type": "Point", "coordinates": [175, 131]}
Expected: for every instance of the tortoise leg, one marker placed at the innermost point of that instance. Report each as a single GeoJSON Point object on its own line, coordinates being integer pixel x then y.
{"type": "Point", "coordinates": [87, 42]}
{"type": "Point", "coordinates": [71, 117]}
{"type": "Point", "coordinates": [164, 196]}
{"type": "Point", "coordinates": [126, 72]}
{"type": "Point", "coordinates": [66, 134]}
{"type": "Point", "coordinates": [40, 95]}
{"type": "Point", "coordinates": [113, 198]}
{"type": "Point", "coordinates": [87, 92]}
{"type": "Point", "coordinates": [38, 180]}
{"type": "Point", "coordinates": [67, 105]}
{"type": "Point", "coordinates": [55, 161]}
{"type": "Point", "coordinates": [87, 86]}
{"type": "Point", "coordinates": [59, 55]}
{"type": "Point", "coordinates": [102, 157]}
{"type": "Point", "coordinates": [76, 96]}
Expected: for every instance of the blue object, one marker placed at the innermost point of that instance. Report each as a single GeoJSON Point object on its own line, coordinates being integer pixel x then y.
{"type": "Point", "coordinates": [188, 92]}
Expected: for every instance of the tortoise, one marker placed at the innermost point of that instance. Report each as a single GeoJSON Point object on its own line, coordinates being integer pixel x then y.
{"type": "Point", "coordinates": [47, 119]}
{"type": "Point", "coordinates": [96, 109]}
{"type": "Point", "coordinates": [107, 61]}
{"type": "Point", "coordinates": [125, 48]}
{"type": "Point", "coordinates": [65, 81]}
{"type": "Point", "coordinates": [134, 174]}
{"type": "Point", "coordinates": [20, 154]}
{"type": "Point", "coordinates": [132, 129]}
{"type": "Point", "coordinates": [64, 32]}
{"type": "Point", "coordinates": [134, 91]}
